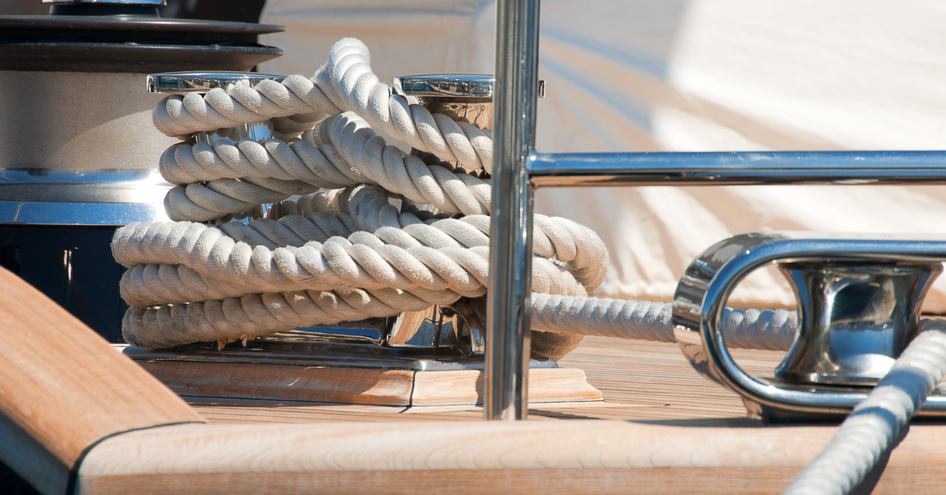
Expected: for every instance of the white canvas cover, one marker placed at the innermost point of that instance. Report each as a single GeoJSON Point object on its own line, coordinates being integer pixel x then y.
{"type": "Point", "coordinates": [688, 75]}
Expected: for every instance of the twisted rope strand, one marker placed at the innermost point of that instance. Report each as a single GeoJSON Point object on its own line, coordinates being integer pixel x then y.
{"type": "Point", "coordinates": [646, 320]}
{"type": "Point", "coordinates": [237, 176]}
{"type": "Point", "coordinates": [881, 421]}
{"type": "Point", "coordinates": [345, 82]}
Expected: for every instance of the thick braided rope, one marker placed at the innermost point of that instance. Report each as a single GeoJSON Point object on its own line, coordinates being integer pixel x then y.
{"type": "Point", "coordinates": [295, 97]}
{"type": "Point", "coordinates": [352, 85]}
{"type": "Point", "coordinates": [262, 291]}
{"type": "Point", "coordinates": [646, 320]}
{"type": "Point", "coordinates": [149, 282]}
{"type": "Point", "coordinates": [345, 82]}
{"type": "Point", "coordinates": [557, 238]}
{"type": "Point", "coordinates": [353, 254]}
{"type": "Point", "coordinates": [230, 178]}
{"type": "Point", "coordinates": [340, 254]}
{"type": "Point", "coordinates": [175, 262]}
{"type": "Point", "coordinates": [881, 421]}
{"type": "Point", "coordinates": [234, 318]}
{"type": "Point", "coordinates": [325, 214]}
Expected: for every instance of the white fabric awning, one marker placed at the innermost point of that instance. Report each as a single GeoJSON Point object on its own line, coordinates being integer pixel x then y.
{"type": "Point", "coordinates": [696, 75]}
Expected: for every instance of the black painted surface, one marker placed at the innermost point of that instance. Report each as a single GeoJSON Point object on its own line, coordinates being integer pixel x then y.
{"type": "Point", "coordinates": [12, 483]}
{"type": "Point", "coordinates": [221, 10]}
{"type": "Point", "coordinates": [90, 37]}
{"type": "Point", "coordinates": [96, 43]}
{"type": "Point", "coordinates": [72, 266]}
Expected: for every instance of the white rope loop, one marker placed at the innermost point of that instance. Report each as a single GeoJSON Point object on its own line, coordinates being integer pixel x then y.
{"type": "Point", "coordinates": [219, 108]}
{"type": "Point", "coordinates": [164, 258]}
{"type": "Point", "coordinates": [230, 178]}
{"type": "Point", "coordinates": [343, 250]}
{"type": "Point", "coordinates": [345, 82]}
{"type": "Point", "coordinates": [353, 86]}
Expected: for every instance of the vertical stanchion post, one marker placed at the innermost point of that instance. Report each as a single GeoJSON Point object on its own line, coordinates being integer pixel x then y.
{"type": "Point", "coordinates": [510, 255]}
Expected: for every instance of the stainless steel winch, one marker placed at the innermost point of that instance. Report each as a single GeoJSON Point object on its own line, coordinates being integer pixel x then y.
{"type": "Point", "coordinates": [180, 83]}
{"type": "Point", "coordinates": [859, 302]}
{"type": "Point", "coordinates": [78, 153]}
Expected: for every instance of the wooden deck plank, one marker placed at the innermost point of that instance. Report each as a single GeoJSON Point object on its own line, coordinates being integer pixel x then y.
{"type": "Point", "coordinates": [279, 382]}
{"type": "Point", "coordinates": [440, 388]}
{"type": "Point", "coordinates": [671, 430]}
{"type": "Point", "coordinates": [483, 457]}
{"type": "Point", "coordinates": [639, 380]}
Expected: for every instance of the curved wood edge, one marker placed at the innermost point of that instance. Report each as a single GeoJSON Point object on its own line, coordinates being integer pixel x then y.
{"type": "Point", "coordinates": [483, 457]}
{"type": "Point", "coordinates": [63, 388]}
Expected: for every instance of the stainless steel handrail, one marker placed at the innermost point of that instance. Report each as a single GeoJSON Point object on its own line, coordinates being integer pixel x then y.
{"type": "Point", "coordinates": [510, 255]}
{"type": "Point", "coordinates": [736, 168]}
{"type": "Point", "coordinates": [517, 169]}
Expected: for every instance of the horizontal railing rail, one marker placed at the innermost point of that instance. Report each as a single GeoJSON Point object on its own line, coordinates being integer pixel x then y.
{"type": "Point", "coordinates": [736, 168]}
{"type": "Point", "coordinates": [518, 169]}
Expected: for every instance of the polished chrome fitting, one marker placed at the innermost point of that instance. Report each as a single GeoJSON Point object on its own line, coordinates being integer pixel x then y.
{"type": "Point", "coordinates": [149, 8]}
{"type": "Point", "coordinates": [454, 330]}
{"type": "Point", "coordinates": [102, 198]}
{"type": "Point", "coordinates": [859, 301]}
{"type": "Point", "coordinates": [461, 325]}
{"type": "Point", "coordinates": [179, 83]}
{"type": "Point", "coordinates": [467, 97]}
{"type": "Point", "coordinates": [856, 319]}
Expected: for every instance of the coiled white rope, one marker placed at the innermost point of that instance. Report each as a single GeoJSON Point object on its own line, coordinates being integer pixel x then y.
{"type": "Point", "coordinates": [344, 251]}
{"type": "Point", "coordinates": [881, 421]}
{"type": "Point", "coordinates": [345, 83]}
{"type": "Point", "coordinates": [229, 178]}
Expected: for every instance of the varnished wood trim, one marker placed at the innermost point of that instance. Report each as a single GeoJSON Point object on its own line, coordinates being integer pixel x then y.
{"type": "Point", "coordinates": [482, 457]}
{"type": "Point", "coordinates": [465, 388]}
{"type": "Point", "coordinates": [62, 388]}
{"type": "Point", "coordinates": [284, 382]}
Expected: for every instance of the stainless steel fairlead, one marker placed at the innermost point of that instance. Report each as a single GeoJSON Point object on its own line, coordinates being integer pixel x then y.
{"type": "Point", "coordinates": [859, 301]}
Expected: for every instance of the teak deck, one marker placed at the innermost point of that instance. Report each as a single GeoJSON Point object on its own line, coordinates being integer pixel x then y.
{"type": "Point", "coordinates": [641, 381]}
{"type": "Point", "coordinates": [676, 418]}
{"type": "Point", "coordinates": [76, 414]}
